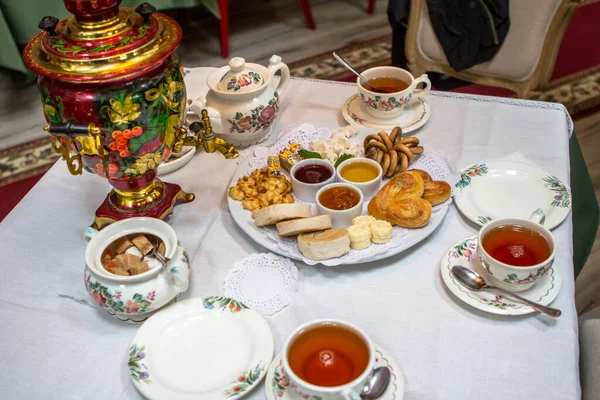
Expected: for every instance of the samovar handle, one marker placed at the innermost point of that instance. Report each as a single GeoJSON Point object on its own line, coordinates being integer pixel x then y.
{"type": "Point", "coordinates": [90, 137]}
{"type": "Point", "coordinates": [145, 10]}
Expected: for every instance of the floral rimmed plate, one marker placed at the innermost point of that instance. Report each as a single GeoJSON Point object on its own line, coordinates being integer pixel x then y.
{"type": "Point", "coordinates": [202, 348]}
{"type": "Point", "coordinates": [465, 253]}
{"type": "Point", "coordinates": [415, 115]}
{"type": "Point", "coordinates": [177, 160]}
{"type": "Point", "coordinates": [276, 383]}
{"type": "Point", "coordinates": [499, 189]}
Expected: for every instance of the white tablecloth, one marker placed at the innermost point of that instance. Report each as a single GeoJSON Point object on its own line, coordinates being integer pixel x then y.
{"type": "Point", "coordinates": [55, 345]}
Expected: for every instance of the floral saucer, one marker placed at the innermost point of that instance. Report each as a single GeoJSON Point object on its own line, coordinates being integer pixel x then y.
{"type": "Point", "coordinates": [465, 253]}
{"type": "Point", "coordinates": [201, 349]}
{"type": "Point", "coordinates": [499, 189]}
{"type": "Point", "coordinates": [415, 115]}
{"type": "Point", "coordinates": [276, 383]}
{"type": "Point", "coordinates": [177, 160]}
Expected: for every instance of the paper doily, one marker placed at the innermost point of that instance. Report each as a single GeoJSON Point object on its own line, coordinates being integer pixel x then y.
{"type": "Point", "coordinates": [264, 282]}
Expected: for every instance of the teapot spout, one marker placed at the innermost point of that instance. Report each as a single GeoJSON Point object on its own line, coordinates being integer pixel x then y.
{"type": "Point", "coordinates": [215, 116]}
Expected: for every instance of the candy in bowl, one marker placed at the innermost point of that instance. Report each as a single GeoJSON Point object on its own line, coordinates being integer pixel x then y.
{"type": "Point", "coordinates": [134, 267]}
{"type": "Point", "coordinates": [243, 102]}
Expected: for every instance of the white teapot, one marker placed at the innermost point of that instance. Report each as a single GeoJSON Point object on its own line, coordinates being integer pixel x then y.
{"type": "Point", "coordinates": [242, 102]}
{"type": "Point", "coordinates": [134, 298]}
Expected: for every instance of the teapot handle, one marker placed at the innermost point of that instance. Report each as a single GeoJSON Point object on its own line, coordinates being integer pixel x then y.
{"type": "Point", "coordinates": [89, 234]}
{"type": "Point", "coordinates": [275, 65]}
{"type": "Point", "coordinates": [215, 116]}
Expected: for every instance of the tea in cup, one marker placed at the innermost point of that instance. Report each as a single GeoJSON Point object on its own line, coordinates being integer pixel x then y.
{"type": "Point", "coordinates": [515, 252]}
{"type": "Point", "coordinates": [328, 359]}
{"type": "Point", "coordinates": [392, 89]}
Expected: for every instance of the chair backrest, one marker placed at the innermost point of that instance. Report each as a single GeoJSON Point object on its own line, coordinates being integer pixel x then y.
{"type": "Point", "coordinates": [524, 62]}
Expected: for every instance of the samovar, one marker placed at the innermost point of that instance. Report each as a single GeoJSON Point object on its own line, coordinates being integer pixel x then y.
{"type": "Point", "coordinates": [114, 98]}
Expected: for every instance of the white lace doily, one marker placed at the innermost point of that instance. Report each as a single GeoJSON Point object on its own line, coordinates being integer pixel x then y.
{"type": "Point", "coordinates": [264, 282]}
{"type": "Point", "coordinates": [435, 162]}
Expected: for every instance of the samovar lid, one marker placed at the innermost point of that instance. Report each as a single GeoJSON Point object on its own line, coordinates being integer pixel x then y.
{"type": "Point", "coordinates": [101, 42]}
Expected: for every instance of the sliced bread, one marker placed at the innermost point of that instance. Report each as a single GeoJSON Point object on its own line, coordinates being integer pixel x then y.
{"type": "Point", "coordinates": [303, 225]}
{"type": "Point", "coordinates": [324, 245]}
{"type": "Point", "coordinates": [280, 212]}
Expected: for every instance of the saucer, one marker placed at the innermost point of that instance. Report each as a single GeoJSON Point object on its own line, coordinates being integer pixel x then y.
{"type": "Point", "coordinates": [499, 189]}
{"type": "Point", "coordinates": [415, 115]}
{"type": "Point", "coordinates": [276, 383]}
{"type": "Point", "coordinates": [465, 253]}
{"type": "Point", "coordinates": [201, 349]}
{"type": "Point", "coordinates": [177, 160]}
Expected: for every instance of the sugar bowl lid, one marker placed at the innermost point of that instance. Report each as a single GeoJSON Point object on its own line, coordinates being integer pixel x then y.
{"type": "Point", "coordinates": [240, 78]}
{"type": "Point", "coordinates": [101, 42]}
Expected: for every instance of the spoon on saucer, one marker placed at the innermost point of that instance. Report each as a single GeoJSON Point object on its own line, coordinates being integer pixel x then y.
{"type": "Point", "coordinates": [472, 280]}
{"type": "Point", "coordinates": [376, 384]}
{"type": "Point", "coordinates": [345, 64]}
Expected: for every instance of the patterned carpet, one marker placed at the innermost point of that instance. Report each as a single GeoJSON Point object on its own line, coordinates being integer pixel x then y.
{"type": "Point", "coordinates": [579, 92]}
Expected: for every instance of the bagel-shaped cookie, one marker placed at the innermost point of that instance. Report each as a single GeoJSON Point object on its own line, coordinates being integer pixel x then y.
{"type": "Point", "coordinates": [406, 150]}
{"type": "Point", "coordinates": [386, 140]}
{"type": "Point", "coordinates": [410, 140]}
{"type": "Point", "coordinates": [396, 134]}
{"type": "Point", "coordinates": [385, 164]}
{"type": "Point", "coordinates": [377, 145]}
{"type": "Point", "coordinates": [403, 162]}
{"type": "Point", "coordinates": [370, 137]}
{"type": "Point", "coordinates": [437, 192]}
{"type": "Point", "coordinates": [393, 163]}
{"type": "Point", "coordinates": [417, 149]}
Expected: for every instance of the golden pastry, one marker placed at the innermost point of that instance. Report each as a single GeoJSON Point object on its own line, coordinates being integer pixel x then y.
{"type": "Point", "coordinates": [399, 201]}
{"type": "Point", "coordinates": [360, 236]}
{"type": "Point", "coordinates": [437, 192]}
{"type": "Point", "coordinates": [381, 232]}
{"type": "Point", "coordinates": [426, 177]}
{"type": "Point", "coordinates": [259, 189]}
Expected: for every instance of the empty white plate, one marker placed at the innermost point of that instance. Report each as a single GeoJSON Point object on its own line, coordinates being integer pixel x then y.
{"type": "Point", "coordinates": [204, 348]}
{"type": "Point", "coordinates": [500, 189]}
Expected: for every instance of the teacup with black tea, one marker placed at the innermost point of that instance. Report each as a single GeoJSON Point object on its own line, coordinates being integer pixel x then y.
{"type": "Point", "coordinates": [386, 85]}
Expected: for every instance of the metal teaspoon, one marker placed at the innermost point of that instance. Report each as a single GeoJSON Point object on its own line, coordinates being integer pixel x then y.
{"type": "Point", "coordinates": [472, 280]}
{"type": "Point", "coordinates": [345, 64]}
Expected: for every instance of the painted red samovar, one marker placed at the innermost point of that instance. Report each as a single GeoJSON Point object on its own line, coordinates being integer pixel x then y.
{"type": "Point", "coordinates": [114, 98]}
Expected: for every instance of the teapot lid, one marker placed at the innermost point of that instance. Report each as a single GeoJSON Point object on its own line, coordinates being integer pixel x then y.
{"type": "Point", "coordinates": [240, 78]}
{"type": "Point", "coordinates": [101, 42]}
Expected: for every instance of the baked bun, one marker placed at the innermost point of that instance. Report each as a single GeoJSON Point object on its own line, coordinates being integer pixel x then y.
{"type": "Point", "coordinates": [303, 225]}
{"type": "Point", "coordinates": [408, 213]}
{"type": "Point", "coordinates": [437, 192]}
{"type": "Point", "coordinates": [404, 186]}
{"type": "Point", "coordinates": [280, 212]}
{"type": "Point", "coordinates": [324, 245]}
{"type": "Point", "coordinates": [426, 177]}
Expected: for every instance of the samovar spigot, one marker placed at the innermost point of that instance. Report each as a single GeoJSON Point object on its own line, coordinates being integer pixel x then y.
{"type": "Point", "coordinates": [205, 137]}
{"type": "Point", "coordinates": [90, 138]}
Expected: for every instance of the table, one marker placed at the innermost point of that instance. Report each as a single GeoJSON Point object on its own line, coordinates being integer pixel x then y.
{"type": "Point", "coordinates": [55, 344]}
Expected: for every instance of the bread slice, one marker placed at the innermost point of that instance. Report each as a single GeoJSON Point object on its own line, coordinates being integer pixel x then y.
{"type": "Point", "coordinates": [280, 212]}
{"type": "Point", "coordinates": [318, 246]}
{"type": "Point", "coordinates": [303, 225]}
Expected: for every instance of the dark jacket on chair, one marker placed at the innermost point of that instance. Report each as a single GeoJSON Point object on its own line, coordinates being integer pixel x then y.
{"type": "Point", "coordinates": [470, 31]}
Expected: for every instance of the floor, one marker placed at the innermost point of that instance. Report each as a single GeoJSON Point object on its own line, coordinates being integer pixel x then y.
{"type": "Point", "coordinates": [278, 27]}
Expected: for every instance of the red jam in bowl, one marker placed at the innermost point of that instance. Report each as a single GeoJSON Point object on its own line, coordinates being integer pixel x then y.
{"type": "Point", "coordinates": [313, 173]}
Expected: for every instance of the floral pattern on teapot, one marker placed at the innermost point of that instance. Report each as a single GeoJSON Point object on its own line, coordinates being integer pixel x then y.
{"type": "Point", "coordinates": [259, 119]}
{"type": "Point", "coordinates": [236, 83]}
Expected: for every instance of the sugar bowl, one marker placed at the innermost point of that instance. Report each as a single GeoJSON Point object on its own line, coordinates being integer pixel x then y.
{"type": "Point", "coordinates": [134, 267]}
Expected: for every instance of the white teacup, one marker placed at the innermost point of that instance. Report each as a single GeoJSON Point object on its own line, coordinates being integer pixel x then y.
{"type": "Point", "coordinates": [368, 189]}
{"type": "Point", "coordinates": [509, 277]}
{"type": "Point", "coordinates": [390, 105]}
{"type": "Point", "coordinates": [347, 391]}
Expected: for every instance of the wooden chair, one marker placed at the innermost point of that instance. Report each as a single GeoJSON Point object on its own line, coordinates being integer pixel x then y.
{"type": "Point", "coordinates": [224, 22]}
{"type": "Point", "coordinates": [526, 60]}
